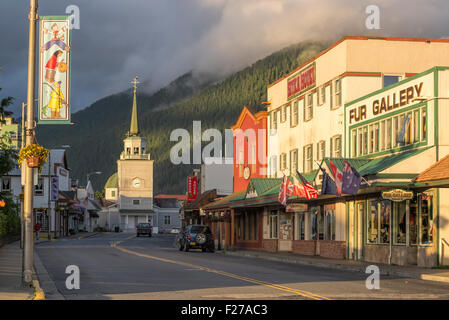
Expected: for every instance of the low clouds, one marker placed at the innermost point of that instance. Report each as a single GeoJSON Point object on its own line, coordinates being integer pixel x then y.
{"type": "Point", "coordinates": [162, 39]}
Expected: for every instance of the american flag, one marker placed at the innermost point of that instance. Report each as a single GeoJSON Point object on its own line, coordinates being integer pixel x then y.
{"type": "Point", "coordinates": [310, 191]}
{"type": "Point", "coordinates": [285, 191]}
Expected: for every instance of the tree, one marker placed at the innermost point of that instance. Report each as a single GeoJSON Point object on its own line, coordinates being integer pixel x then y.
{"type": "Point", "coordinates": [99, 195]}
{"type": "Point", "coordinates": [9, 218]}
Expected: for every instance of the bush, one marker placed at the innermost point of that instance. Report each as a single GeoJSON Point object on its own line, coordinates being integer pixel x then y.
{"type": "Point", "coordinates": [9, 217]}
{"type": "Point", "coordinates": [100, 229]}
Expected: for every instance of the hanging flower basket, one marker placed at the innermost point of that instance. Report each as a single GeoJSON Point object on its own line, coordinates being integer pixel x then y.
{"type": "Point", "coordinates": [33, 162]}
{"type": "Point", "coordinates": [34, 154]}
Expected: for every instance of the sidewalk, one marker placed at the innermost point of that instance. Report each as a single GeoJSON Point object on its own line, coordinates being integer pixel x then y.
{"type": "Point", "coordinates": [80, 235]}
{"type": "Point", "coordinates": [11, 274]}
{"type": "Point", "coordinates": [440, 275]}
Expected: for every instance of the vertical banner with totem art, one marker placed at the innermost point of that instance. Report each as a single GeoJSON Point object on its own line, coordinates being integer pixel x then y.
{"type": "Point", "coordinates": [54, 70]}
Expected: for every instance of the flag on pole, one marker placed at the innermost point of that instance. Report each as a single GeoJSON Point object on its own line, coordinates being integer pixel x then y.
{"type": "Point", "coordinates": [338, 176]}
{"type": "Point", "coordinates": [298, 188]}
{"type": "Point", "coordinates": [351, 180]}
{"type": "Point", "coordinates": [405, 125]}
{"type": "Point", "coordinates": [308, 189]}
{"type": "Point", "coordinates": [328, 186]}
{"type": "Point", "coordinates": [285, 191]}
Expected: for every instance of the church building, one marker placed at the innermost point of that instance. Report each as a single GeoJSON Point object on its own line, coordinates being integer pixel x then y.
{"type": "Point", "coordinates": [131, 187]}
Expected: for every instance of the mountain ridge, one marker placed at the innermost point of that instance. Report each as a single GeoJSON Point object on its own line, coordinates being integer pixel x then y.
{"type": "Point", "coordinates": [96, 137]}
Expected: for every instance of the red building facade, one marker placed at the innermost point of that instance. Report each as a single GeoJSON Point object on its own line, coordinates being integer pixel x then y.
{"type": "Point", "coordinates": [250, 148]}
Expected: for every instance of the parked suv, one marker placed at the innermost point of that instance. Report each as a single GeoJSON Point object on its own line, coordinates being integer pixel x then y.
{"type": "Point", "coordinates": [196, 236]}
{"type": "Point", "coordinates": [144, 228]}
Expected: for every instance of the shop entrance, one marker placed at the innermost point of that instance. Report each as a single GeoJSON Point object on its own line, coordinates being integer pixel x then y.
{"type": "Point", "coordinates": [285, 231]}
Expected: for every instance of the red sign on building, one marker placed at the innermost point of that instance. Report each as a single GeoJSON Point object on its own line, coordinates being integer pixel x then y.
{"type": "Point", "coordinates": [302, 81]}
{"type": "Point", "coordinates": [192, 187]}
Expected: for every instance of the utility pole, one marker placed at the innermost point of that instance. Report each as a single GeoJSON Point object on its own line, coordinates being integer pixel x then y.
{"type": "Point", "coordinates": [29, 185]}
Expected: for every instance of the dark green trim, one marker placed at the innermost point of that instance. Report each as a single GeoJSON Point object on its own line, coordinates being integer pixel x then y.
{"type": "Point", "coordinates": [435, 111]}
{"type": "Point", "coordinates": [396, 175]}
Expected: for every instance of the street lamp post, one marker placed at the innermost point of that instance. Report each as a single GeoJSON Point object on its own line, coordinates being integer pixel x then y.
{"type": "Point", "coordinates": [89, 174]}
{"type": "Point", "coordinates": [28, 190]}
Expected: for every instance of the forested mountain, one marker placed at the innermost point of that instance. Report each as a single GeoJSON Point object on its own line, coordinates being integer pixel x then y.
{"type": "Point", "coordinates": [96, 137]}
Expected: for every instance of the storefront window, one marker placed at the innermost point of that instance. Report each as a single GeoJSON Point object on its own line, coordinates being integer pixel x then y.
{"type": "Point", "coordinates": [423, 124]}
{"type": "Point", "coordinates": [372, 222]}
{"type": "Point", "coordinates": [427, 223]}
{"type": "Point", "coordinates": [302, 226]}
{"type": "Point", "coordinates": [378, 222]}
{"type": "Point", "coordinates": [274, 226]}
{"type": "Point", "coordinates": [412, 223]}
{"type": "Point", "coordinates": [317, 224]}
{"type": "Point", "coordinates": [330, 222]}
{"type": "Point", "coordinates": [385, 214]}
{"type": "Point", "coordinates": [400, 214]}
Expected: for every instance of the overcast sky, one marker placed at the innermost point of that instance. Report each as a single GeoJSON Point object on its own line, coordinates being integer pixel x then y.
{"type": "Point", "coordinates": [159, 40]}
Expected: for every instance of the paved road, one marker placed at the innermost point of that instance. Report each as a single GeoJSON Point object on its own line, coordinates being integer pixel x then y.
{"type": "Point", "coordinates": [121, 266]}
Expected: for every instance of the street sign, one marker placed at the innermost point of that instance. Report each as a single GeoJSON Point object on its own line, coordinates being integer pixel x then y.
{"type": "Point", "coordinates": [54, 70]}
{"type": "Point", "coordinates": [397, 195]}
{"type": "Point", "coordinates": [296, 207]}
{"type": "Point", "coordinates": [192, 187]}
{"type": "Point", "coordinates": [54, 188]}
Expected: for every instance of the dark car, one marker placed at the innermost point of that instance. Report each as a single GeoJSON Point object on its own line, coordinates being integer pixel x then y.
{"type": "Point", "coordinates": [196, 236]}
{"type": "Point", "coordinates": [144, 228]}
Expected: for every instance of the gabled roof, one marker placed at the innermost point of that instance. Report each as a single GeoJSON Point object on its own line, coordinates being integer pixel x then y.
{"type": "Point", "coordinates": [261, 185]}
{"type": "Point", "coordinates": [438, 171]}
{"type": "Point", "coordinates": [256, 117]}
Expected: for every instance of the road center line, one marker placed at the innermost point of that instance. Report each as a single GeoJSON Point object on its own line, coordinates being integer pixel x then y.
{"type": "Point", "coordinates": [227, 274]}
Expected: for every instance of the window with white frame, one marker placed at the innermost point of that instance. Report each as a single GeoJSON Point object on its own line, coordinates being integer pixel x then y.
{"type": "Point", "coordinates": [321, 150]}
{"type": "Point", "coordinates": [308, 158]}
{"type": "Point", "coordinates": [6, 184]}
{"type": "Point", "coordinates": [321, 95]}
{"type": "Point", "coordinates": [294, 114]}
{"type": "Point", "coordinates": [388, 80]}
{"type": "Point", "coordinates": [336, 146]}
{"type": "Point", "coordinates": [112, 193]}
{"type": "Point", "coordinates": [308, 107]}
{"type": "Point", "coordinates": [283, 161]}
{"type": "Point", "coordinates": [274, 124]}
{"type": "Point", "coordinates": [337, 93]}
{"type": "Point", "coordinates": [166, 219]}
{"type": "Point", "coordinates": [39, 187]}
{"type": "Point", "coordinates": [293, 161]}
{"type": "Point", "coordinates": [136, 202]}
{"type": "Point", "coordinates": [273, 223]}
{"type": "Point", "coordinates": [283, 113]}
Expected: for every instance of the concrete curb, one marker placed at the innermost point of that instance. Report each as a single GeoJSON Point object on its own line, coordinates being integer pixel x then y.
{"type": "Point", "coordinates": [46, 286]}
{"type": "Point", "coordinates": [39, 293]}
{"type": "Point", "coordinates": [359, 268]}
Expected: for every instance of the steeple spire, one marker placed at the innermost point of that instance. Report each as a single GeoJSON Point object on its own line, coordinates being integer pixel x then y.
{"type": "Point", "coordinates": [134, 130]}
